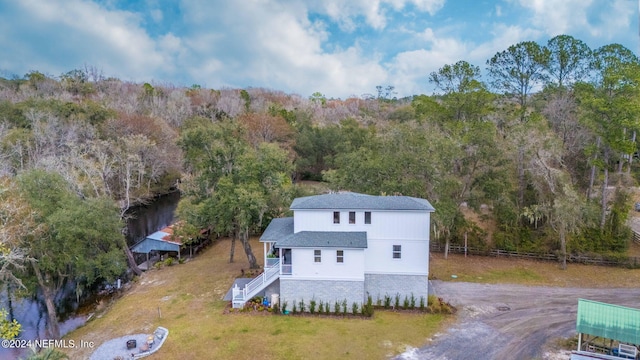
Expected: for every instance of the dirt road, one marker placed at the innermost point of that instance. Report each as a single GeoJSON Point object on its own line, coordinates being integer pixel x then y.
{"type": "Point", "coordinates": [510, 321]}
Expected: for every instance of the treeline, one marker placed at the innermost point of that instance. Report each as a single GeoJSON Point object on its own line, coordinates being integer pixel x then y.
{"type": "Point", "coordinates": [543, 148]}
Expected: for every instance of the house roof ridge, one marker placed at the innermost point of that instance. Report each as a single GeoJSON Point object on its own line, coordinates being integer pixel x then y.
{"type": "Point", "coordinates": [351, 200]}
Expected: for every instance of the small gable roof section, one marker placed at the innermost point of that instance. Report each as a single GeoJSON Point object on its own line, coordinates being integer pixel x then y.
{"type": "Point", "coordinates": [333, 239]}
{"type": "Point", "coordinates": [278, 229]}
{"type": "Point", "coordinates": [158, 241]}
{"type": "Point", "coordinates": [608, 321]}
{"type": "Point", "coordinates": [354, 201]}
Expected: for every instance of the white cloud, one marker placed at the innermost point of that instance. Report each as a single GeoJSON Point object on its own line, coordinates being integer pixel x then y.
{"type": "Point", "coordinates": [615, 19]}
{"type": "Point", "coordinates": [156, 15]}
{"type": "Point", "coordinates": [502, 36]}
{"type": "Point", "coordinates": [558, 17]}
{"type": "Point", "coordinates": [83, 32]}
{"type": "Point", "coordinates": [346, 13]}
{"type": "Point", "coordinates": [410, 69]}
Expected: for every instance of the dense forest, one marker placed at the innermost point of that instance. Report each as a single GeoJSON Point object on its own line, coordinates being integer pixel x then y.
{"type": "Point", "coordinates": [541, 145]}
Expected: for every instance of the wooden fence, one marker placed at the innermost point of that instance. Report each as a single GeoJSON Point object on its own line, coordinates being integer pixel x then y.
{"type": "Point", "coordinates": [603, 260]}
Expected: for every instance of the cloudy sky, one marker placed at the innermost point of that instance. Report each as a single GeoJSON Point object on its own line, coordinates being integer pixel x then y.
{"type": "Point", "coordinates": [337, 47]}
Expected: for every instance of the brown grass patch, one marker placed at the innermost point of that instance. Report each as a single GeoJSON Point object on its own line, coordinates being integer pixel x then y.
{"type": "Point", "coordinates": [483, 269]}
{"type": "Point", "coordinates": [188, 299]}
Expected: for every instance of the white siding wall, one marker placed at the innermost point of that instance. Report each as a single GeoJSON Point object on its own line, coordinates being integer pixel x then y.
{"type": "Point", "coordinates": [407, 225]}
{"type": "Point", "coordinates": [410, 229]}
{"type": "Point", "coordinates": [414, 259]}
{"type": "Point", "coordinates": [304, 267]}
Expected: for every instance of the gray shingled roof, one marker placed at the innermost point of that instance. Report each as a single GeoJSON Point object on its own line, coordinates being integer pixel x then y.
{"type": "Point", "coordinates": [277, 229]}
{"type": "Point", "coordinates": [340, 239]}
{"type": "Point", "coordinates": [280, 231]}
{"type": "Point", "coordinates": [355, 201]}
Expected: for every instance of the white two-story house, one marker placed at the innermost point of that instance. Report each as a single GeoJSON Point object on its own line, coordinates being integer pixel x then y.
{"type": "Point", "coordinates": [345, 246]}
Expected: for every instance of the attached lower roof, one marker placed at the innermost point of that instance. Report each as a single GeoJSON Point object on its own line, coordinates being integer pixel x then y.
{"type": "Point", "coordinates": [278, 228]}
{"type": "Point", "coordinates": [281, 232]}
{"type": "Point", "coordinates": [340, 239]}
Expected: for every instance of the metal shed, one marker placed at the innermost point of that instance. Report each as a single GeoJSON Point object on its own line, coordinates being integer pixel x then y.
{"type": "Point", "coordinates": [607, 321]}
{"type": "Point", "coordinates": [158, 241]}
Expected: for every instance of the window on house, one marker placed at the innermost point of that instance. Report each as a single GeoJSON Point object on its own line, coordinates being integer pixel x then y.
{"type": "Point", "coordinates": [352, 217]}
{"type": "Point", "coordinates": [367, 217]}
{"type": "Point", "coordinates": [336, 217]}
{"type": "Point", "coordinates": [317, 256]}
{"type": "Point", "coordinates": [340, 256]}
{"type": "Point", "coordinates": [397, 251]}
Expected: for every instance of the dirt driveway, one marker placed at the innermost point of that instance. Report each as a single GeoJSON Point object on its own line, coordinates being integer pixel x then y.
{"type": "Point", "coordinates": [510, 321]}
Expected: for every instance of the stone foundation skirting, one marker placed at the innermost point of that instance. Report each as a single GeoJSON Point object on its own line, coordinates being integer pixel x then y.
{"type": "Point", "coordinates": [381, 285]}
{"type": "Point", "coordinates": [328, 291]}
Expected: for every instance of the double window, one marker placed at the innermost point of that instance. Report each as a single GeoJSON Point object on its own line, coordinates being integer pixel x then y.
{"type": "Point", "coordinates": [340, 256]}
{"type": "Point", "coordinates": [397, 251]}
{"type": "Point", "coordinates": [336, 217]}
{"type": "Point", "coordinates": [317, 256]}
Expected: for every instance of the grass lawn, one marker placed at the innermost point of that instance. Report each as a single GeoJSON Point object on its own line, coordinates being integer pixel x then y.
{"type": "Point", "coordinates": [186, 299]}
{"type": "Point", "coordinates": [482, 269]}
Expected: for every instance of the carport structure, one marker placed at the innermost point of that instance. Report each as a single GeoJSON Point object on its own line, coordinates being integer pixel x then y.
{"type": "Point", "coordinates": [606, 331]}
{"type": "Point", "coordinates": [159, 241]}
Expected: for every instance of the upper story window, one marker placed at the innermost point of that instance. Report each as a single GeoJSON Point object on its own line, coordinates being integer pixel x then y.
{"type": "Point", "coordinates": [336, 217]}
{"type": "Point", "coordinates": [352, 217]}
{"type": "Point", "coordinates": [367, 217]}
{"type": "Point", "coordinates": [317, 256]}
{"type": "Point", "coordinates": [339, 256]}
{"type": "Point", "coordinates": [397, 251]}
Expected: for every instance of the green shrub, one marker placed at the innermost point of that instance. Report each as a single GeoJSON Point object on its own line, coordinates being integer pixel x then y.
{"type": "Point", "coordinates": [321, 307]}
{"type": "Point", "coordinates": [367, 309]}
{"type": "Point", "coordinates": [336, 308]}
{"type": "Point", "coordinates": [344, 307]}
{"type": "Point", "coordinates": [312, 306]}
{"type": "Point", "coordinates": [405, 303]}
{"type": "Point", "coordinates": [397, 302]}
{"type": "Point", "coordinates": [421, 303]}
{"type": "Point", "coordinates": [387, 301]}
{"type": "Point", "coordinates": [413, 301]}
{"type": "Point", "coordinates": [354, 308]}
{"type": "Point", "coordinates": [284, 307]}
{"type": "Point", "coordinates": [294, 310]}
{"type": "Point", "coordinates": [302, 306]}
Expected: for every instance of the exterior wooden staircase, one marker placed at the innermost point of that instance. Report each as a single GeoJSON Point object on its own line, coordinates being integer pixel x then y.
{"type": "Point", "coordinates": [242, 295]}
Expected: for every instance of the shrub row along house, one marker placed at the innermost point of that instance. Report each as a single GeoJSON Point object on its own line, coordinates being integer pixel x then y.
{"type": "Point", "coordinates": [345, 246]}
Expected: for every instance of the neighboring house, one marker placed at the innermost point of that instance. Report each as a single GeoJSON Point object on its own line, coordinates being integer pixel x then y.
{"type": "Point", "coordinates": [345, 246]}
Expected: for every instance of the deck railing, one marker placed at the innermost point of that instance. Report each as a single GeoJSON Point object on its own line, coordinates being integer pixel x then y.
{"type": "Point", "coordinates": [272, 262]}
{"type": "Point", "coordinates": [240, 296]}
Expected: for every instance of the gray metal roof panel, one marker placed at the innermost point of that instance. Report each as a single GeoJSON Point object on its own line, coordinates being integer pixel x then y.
{"type": "Point", "coordinates": [357, 201]}
{"type": "Point", "coordinates": [340, 239]}
{"type": "Point", "coordinates": [277, 229]}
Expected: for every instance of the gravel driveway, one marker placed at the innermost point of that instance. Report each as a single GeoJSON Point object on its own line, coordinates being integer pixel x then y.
{"type": "Point", "coordinates": [510, 321]}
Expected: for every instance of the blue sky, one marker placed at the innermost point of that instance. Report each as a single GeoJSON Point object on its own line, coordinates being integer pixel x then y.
{"type": "Point", "coordinates": [340, 48]}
